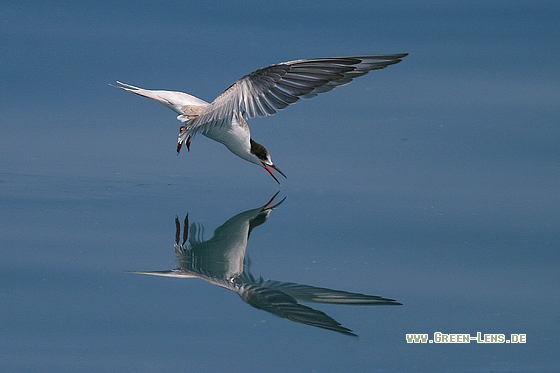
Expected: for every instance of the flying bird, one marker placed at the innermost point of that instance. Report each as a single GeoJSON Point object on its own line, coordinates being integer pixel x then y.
{"type": "Point", "coordinates": [260, 93]}
{"type": "Point", "coordinates": [223, 261]}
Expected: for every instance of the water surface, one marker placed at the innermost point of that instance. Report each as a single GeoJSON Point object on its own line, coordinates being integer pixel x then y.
{"type": "Point", "coordinates": [433, 182]}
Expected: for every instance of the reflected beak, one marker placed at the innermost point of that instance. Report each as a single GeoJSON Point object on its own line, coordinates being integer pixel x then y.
{"type": "Point", "coordinates": [268, 168]}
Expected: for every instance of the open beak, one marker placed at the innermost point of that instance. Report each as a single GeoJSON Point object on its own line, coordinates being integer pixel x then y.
{"type": "Point", "coordinates": [268, 168]}
{"type": "Point", "coordinates": [269, 206]}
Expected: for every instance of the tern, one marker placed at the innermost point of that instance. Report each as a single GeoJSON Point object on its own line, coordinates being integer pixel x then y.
{"type": "Point", "coordinates": [260, 93]}
{"type": "Point", "coordinates": [223, 261]}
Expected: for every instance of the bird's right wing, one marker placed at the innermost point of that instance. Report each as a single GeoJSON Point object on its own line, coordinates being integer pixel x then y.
{"type": "Point", "coordinates": [273, 88]}
{"type": "Point", "coordinates": [307, 293]}
{"type": "Point", "coordinates": [285, 306]}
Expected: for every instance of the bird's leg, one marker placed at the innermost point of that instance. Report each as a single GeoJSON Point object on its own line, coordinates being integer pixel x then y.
{"type": "Point", "coordinates": [180, 143]}
{"type": "Point", "coordinates": [180, 249]}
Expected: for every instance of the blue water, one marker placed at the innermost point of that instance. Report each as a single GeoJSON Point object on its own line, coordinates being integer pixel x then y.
{"type": "Point", "coordinates": [433, 182]}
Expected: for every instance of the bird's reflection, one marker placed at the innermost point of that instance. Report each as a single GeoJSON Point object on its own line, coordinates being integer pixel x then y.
{"type": "Point", "coordinates": [222, 261]}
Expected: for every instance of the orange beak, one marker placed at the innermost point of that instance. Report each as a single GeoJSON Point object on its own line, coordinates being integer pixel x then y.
{"type": "Point", "coordinates": [268, 168]}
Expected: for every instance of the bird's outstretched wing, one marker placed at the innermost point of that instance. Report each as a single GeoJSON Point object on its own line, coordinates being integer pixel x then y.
{"type": "Point", "coordinates": [267, 90]}
{"type": "Point", "coordinates": [285, 306]}
{"type": "Point", "coordinates": [179, 102]}
{"type": "Point", "coordinates": [307, 293]}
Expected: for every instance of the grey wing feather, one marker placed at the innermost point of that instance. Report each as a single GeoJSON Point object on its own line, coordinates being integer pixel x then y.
{"type": "Point", "coordinates": [315, 294]}
{"type": "Point", "coordinates": [267, 90]}
{"type": "Point", "coordinates": [283, 305]}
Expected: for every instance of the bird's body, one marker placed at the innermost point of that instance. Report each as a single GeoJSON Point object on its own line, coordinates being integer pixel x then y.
{"type": "Point", "coordinates": [260, 93]}
{"type": "Point", "coordinates": [223, 261]}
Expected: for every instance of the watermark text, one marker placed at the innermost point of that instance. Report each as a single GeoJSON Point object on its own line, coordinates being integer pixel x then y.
{"type": "Point", "coordinates": [439, 337]}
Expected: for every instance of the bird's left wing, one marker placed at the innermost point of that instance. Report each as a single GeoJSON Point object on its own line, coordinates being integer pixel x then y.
{"type": "Point", "coordinates": [267, 90]}
{"type": "Point", "coordinates": [182, 103]}
{"type": "Point", "coordinates": [175, 273]}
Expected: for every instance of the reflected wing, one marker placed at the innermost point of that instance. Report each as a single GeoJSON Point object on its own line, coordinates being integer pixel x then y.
{"type": "Point", "coordinates": [308, 293]}
{"type": "Point", "coordinates": [269, 89]}
{"type": "Point", "coordinates": [173, 273]}
{"type": "Point", "coordinates": [285, 306]}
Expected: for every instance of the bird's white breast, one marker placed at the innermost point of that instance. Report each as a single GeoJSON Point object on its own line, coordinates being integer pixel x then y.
{"type": "Point", "coordinates": [236, 137]}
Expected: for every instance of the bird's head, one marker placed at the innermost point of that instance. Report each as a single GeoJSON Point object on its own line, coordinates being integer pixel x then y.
{"type": "Point", "coordinates": [262, 157]}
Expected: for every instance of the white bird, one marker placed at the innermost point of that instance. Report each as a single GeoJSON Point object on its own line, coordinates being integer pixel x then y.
{"type": "Point", "coordinates": [260, 93]}
{"type": "Point", "coordinates": [223, 261]}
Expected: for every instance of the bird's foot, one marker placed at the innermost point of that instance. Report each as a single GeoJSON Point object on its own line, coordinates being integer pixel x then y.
{"type": "Point", "coordinates": [180, 143]}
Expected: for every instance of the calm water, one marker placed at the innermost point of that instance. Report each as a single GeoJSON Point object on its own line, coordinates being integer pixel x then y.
{"type": "Point", "coordinates": [433, 182]}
